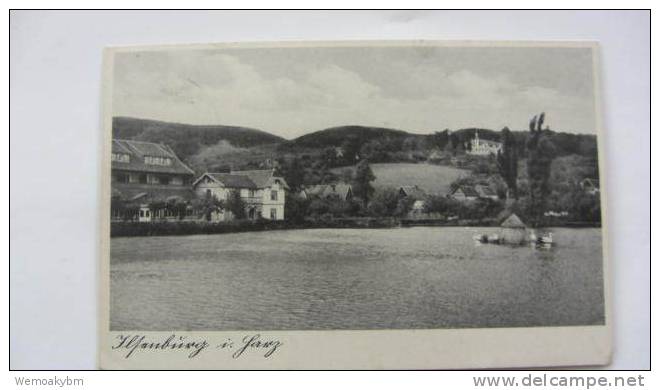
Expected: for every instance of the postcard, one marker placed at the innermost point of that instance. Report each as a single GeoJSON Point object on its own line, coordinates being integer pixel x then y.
{"type": "Point", "coordinates": [353, 205]}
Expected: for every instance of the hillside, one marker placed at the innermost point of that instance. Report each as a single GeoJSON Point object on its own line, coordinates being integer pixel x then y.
{"type": "Point", "coordinates": [217, 147]}
{"type": "Point", "coordinates": [336, 136]}
{"type": "Point", "coordinates": [433, 179]}
{"type": "Point", "coordinates": [188, 140]}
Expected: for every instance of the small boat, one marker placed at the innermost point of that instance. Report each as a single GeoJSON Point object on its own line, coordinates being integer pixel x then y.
{"type": "Point", "coordinates": [494, 238]}
{"type": "Point", "coordinates": [480, 238]}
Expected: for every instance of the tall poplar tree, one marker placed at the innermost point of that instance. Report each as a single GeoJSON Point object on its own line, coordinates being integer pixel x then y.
{"type": "Point", "coordinates": [507, 162]}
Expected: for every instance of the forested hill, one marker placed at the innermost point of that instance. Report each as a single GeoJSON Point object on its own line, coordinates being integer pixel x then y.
{"type": "Point", "coordinates": [564, 143]}
{"type": "Point", "coordinates": [335, 136]}
{"type": "Point", "coordinates": [193, 141]}
{"type": "Point", "coordinates": [397, 140]}
{"type": "Point", "coordinates": [188, 140]}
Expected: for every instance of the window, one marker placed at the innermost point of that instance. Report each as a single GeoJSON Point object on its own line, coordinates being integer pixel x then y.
{"type": "Point", "coordinates": [163, 180]}
{"type": "Point", "coordinates": [273, 195]}
{"type": "Point", "coordinates": [141, 213]}
{"type": "Point", "coordinates": [143, 179]}
{"type": "Point", "coordinates": [120, 157]}
{"type": "Point", "coordinates": [151, 160]}
{"type": "Point", "coordinates": [273, 213]}
{"type": "Point", "coordinates": [121, 177]}
{"type": "Point", "coordinates": [251, 193]}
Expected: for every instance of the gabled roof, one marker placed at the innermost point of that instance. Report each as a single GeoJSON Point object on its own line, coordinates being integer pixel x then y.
{"type": "Point", "coordinates": [254, 179]}
{"type": "Point", "coordinates": [138, 150]}
{"type": "Point", "coordinates": [485, 190]}
{"type": "Point", "coordinates": [467, 190]}
{"type": "Point", "coordinates": [263, 178]}
{"type": "Point", "coordinates": [260, 177]}
{"type": "Point", "coordinates": [233, 181]}
{"type": "Point", "coordinates": [341, 190]}
{"type": "Point", "coordinates": [513, 222]}
{"type": "Point", "coordinates": [412, 191]}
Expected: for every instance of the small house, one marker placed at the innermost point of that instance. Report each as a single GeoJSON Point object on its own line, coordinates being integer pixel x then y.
{"type": "Point", "coordinates": [485, 191]}
{"type": "Point", "coordinates": [513, 230]}
{"type": "Point", "coordinates": [417, 195]}
{"type": "Point", "coordinates": [329, 191]}
{"type": "Point", "coordinates": [464, 192]}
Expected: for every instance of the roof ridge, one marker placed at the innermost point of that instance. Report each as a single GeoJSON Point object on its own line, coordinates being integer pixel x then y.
{"type": "Point", "coordinates": [134, 140]}
{"type": "Point", "coordinates": [256, 170]}
{"type": "Point", "coordinates": [224, 173]}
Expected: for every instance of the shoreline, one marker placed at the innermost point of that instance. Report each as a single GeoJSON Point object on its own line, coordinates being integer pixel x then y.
{"type": "Point", "coordinates": [182, 228]}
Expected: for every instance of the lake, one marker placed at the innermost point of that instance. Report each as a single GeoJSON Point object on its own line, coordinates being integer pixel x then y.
{"type": "Point", "coordinates": [405, 278]}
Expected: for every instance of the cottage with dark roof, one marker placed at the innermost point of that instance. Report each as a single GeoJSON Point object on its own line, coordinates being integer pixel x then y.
{"type": "Point", "coordinates": [341, 191]}
{"type": "Point", "coordinates": [485, 191]}
{"type": "Point", "coordinates": [413, 192]}
{"type": "Point", "coordinates": [144, 174]}
{"type": "Point", "coordinates": [262, 191]}
{"type": "Point", "coordinates": [464, 192]}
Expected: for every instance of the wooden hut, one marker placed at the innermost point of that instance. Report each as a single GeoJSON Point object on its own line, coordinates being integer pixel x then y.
{"type": "Point", "coordinates": [513, 231]}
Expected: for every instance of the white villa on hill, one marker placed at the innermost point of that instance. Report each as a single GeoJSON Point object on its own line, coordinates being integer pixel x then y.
{"type": "Point", "coordinates": [483, 147]}
{"type": "Point", "coordinates": [261, 190]}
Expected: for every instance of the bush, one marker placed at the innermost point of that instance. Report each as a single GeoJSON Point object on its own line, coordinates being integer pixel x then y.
{"type": "Point", "coordinates": [384, 203]}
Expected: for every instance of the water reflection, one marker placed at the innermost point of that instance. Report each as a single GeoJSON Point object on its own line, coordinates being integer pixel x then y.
{"type": "Point", "coordinates": [353, 279]}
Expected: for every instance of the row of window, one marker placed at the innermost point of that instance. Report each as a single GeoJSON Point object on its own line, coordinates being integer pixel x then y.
{"type": "Point", "coordinates": [147, 179]}
{"type": "Point", "coordinates": [120, 157]}
{"type": "Point", "coordinates": [146, 213]}
{"type": "Point", "coordinates": [149, 160]}
{"type": "Point", "coordinates": [251, 193]}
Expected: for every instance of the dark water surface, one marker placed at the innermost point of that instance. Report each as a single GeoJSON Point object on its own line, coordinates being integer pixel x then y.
{"type": "Point", "coordinates": [422, 277]}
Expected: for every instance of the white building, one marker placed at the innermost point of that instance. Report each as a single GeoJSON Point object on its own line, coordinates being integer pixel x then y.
{"type": "Point", "coordinates": [483, 147]}
{"type": "Point", "coordinates": [262, 191]}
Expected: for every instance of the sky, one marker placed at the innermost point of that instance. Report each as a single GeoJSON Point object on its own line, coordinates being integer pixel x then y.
{"type": "Point", "coordinates": [420, 89]}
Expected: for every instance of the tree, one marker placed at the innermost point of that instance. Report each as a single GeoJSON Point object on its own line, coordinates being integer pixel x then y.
{"type": "Point", "coordinates": [118, 206]}
{"type": "Point", "coordinates": [155, 206]}
{"type": "Point", "coordinates": [351, 149]}
{"type": "Point", "coordinates": [295, 208]}
{"type": "Point", "coordinates": [208, 205]}
{"type": "Point", "coordinates": [440, 204]}
{"type": "Point", "coordinates": [384, 203]}
{"type": "Point", "coordinates": [318, 207]}
{"type": "Point", "coordinates": [404, 205]}
{"type": "Point", "coordinates": [329, 157]}
{"type": "Point", "coordinates": [540, 153]}
{"type": "Point", "coordinates": [507, 161]}
{"type": "Point", "coordinates": [293, 173]}
{"type": "Point", "coordinates": [362, 187]}
{"type": "Point", "coordinates": [346, 175]}
{"type": "Point", "coordinates": [236, 205]}
{"type": "Point", "coordinates": [177, 207]}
